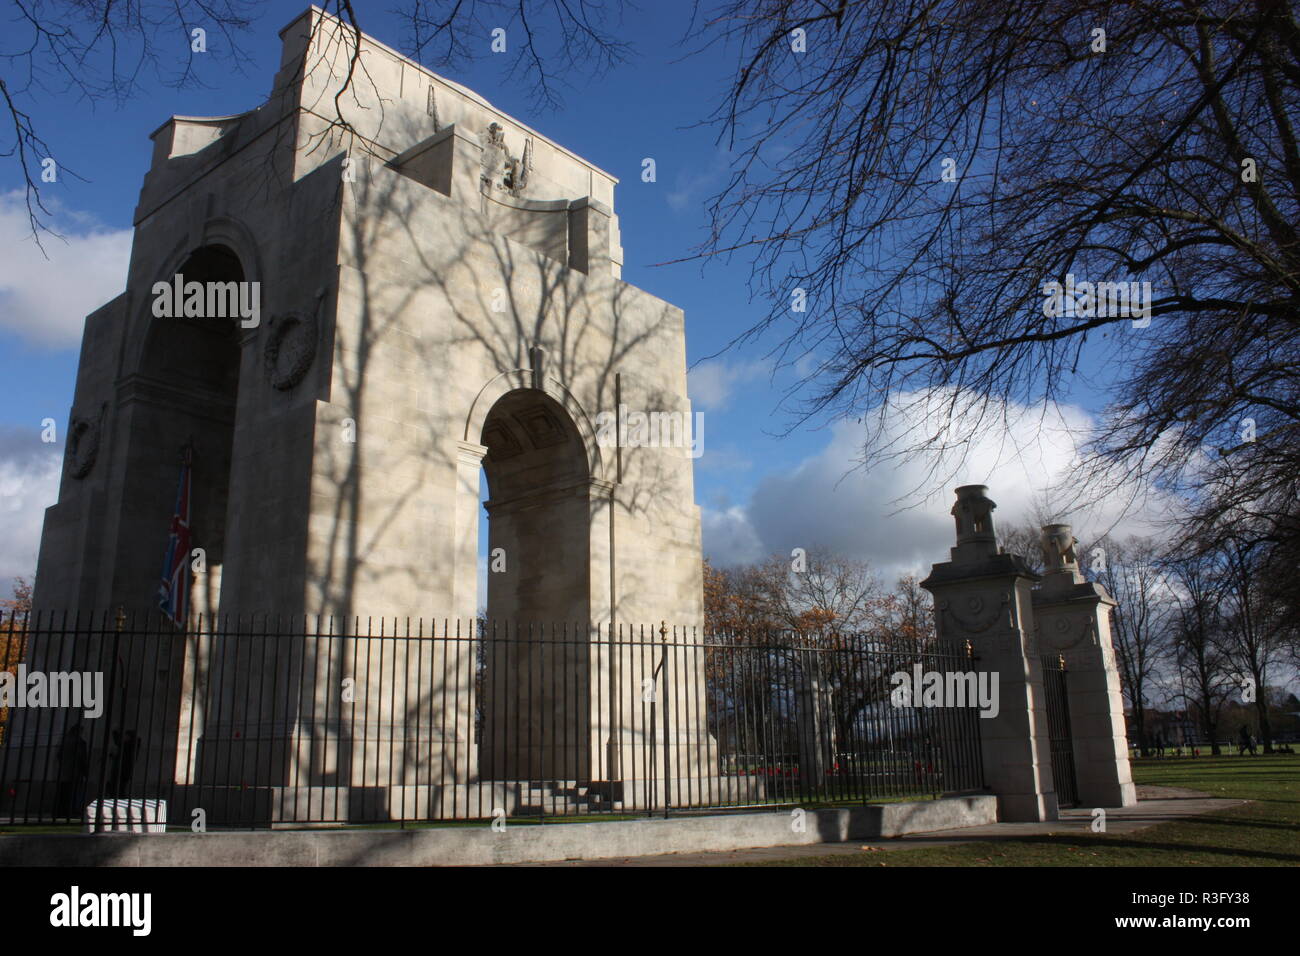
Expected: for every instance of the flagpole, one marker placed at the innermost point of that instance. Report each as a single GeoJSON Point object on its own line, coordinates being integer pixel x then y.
{"type": "Point", "coordinates": [175, 585]}
{"type": "Point", "coordinates": [187, 461]}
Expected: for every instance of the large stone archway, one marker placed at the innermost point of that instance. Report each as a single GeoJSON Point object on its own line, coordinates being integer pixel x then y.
{"type": "Point", "coordinates": [420, 322]}
{"type": "Point", "coordinates": [537, 684]}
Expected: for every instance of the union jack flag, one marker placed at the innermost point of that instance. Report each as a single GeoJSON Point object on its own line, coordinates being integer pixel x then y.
{"type": "Point", "coordinates": [174, 589]}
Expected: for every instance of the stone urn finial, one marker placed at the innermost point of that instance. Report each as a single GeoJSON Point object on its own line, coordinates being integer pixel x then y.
{"type": "Point", "coordinates": [1058, 549]}
{"type": "Point", "coordinates": [974, 514]}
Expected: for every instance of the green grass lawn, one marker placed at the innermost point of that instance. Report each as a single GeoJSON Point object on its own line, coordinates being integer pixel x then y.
{"type": "Point", "coordinates": [1265, 832]}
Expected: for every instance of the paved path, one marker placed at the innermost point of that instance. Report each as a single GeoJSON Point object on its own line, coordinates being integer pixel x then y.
{"type": "Point", "coordinates": [1155, 805]}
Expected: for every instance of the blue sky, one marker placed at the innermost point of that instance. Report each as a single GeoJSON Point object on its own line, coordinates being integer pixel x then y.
{"type": "Point", "coordinates": [760, 491]}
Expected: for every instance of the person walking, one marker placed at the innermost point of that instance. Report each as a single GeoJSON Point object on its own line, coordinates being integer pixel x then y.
{"type": "Point", "coordinates": [74, 762]}
{"type": "Point", "coordinates": [122, 762]}
{"type": "Point", "coordinates": [1247, 741]}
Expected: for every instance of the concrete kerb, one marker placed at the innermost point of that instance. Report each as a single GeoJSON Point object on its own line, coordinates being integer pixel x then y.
{"type": "Point", "coordinates": [479, 846]}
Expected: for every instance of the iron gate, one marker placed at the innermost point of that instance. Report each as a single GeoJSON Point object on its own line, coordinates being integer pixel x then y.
{"type": "Point", "coordinates": [1058, 729]}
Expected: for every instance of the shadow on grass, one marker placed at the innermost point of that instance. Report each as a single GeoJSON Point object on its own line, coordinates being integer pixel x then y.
{"type": "Point", "coordinates": [1151, 846]}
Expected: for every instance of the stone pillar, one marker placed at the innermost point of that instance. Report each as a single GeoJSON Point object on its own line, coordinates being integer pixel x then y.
{"type": "Point", "coordinates": [815, 725]}
{"type": "Point", "coordinates": [469, 462]}
{"type": "Point", "coordinates": [1073, 620]}
{"type": "Point", "coordinates": [983, 596]}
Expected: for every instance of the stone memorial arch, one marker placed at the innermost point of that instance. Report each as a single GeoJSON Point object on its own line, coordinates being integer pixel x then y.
{"type": "Point", "coordinates": [438, 299]}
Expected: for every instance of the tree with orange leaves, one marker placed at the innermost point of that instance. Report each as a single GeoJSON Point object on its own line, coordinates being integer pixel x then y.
{"type": "Point", "coordinates": [781, 627]}
{"type": "Point", "coordinates": [13, 635]}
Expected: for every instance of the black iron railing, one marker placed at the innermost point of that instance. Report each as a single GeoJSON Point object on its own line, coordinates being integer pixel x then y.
{"type": "Point", "coordinates": [1060, 737]}
{"type": "Point", "coordinates": [267, 721]}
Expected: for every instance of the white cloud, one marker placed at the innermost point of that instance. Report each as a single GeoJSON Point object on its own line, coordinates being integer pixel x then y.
{"type": "Point", "coordinates": [29, 483]}
{"type": "Point", "coordinates": [45, 297]}
{"type": "Point", "coordinates": [828, 500]}
{"type": "Point", "coordinates": [730, 537]}
{"type": "Point", "coordinates": [691, 185]}
{"type": "Point", "coordinates": [711, 384]}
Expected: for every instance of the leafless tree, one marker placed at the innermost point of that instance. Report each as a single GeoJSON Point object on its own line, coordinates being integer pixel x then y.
{"type": "Point", "coordinates": [916, 174]}
{"type": "Point", "coordinates": [910, 611]}
{"type": "Point", "coordinates": [834, 608]}
{"type": "Point", "coordinates": [1130, 571]}
{"type": "Point", "coordinates": [96, 52]}
{"type": "Point", "coordinates": [824, 591]}
{"type": "Point", "coordinates": [1277, 569]}
{"type": "Point", "coordinates": [1253, 629]}
{"type": "Point", "coordinates": [1199, 679]}
{"type": "Point", "coordinates": [819, 617]}
{"type": "Point", "coordinates": [1024, 541]}
{"type": "Point", "coordinates": [563, 40]}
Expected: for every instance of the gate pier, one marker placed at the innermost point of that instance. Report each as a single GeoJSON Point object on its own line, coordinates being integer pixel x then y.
{"type": "Point", "coordinates": [1059, 736]}
{"type": "Point", "coordinates": [983, 597]}
{"type": "Point", "coordinates": [1073, 625]}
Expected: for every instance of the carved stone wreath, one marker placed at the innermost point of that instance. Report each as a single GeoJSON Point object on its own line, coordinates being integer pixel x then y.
{"type": "Point", "coordinates": [977, 622]}
{"type": "Point", "coordinates": [83, 445]}
{"type": "Point", "coordinates": [290, 349]}
{"type": "Point", "coordinates": [1073, 633]}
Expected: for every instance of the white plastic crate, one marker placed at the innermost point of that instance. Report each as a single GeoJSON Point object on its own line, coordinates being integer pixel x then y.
{"type": "Point", "coordinates": [128, 816]}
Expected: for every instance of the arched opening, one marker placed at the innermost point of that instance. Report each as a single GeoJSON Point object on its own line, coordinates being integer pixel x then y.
{"type": "Point", "coordinates": [182, 393]}
{"type": "Point", "coordinates": [538, 516]}
{"type": "Point", "coordinates": [536, 684]}
{"type": "Point", "coordinates": [186, 392]}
